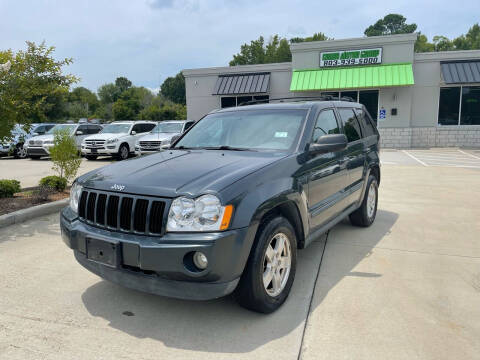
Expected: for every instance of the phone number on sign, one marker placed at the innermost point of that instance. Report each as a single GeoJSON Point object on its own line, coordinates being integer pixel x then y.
{"type": "Point", "coordinates": [343, 62]}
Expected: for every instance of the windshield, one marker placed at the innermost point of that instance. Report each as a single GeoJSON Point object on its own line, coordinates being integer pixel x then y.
{"type": "Point", "coordinates": [62, 127]}
{"type": "Point", "coordinates": [168, 128]}
{"type": "Point", "coordinates": [246, 129]}
{"type": "Point", "coordinates": [116, 129]}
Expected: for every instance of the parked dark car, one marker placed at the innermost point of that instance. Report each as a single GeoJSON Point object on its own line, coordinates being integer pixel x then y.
{"type": "Point", "coordinates": [226, 208]}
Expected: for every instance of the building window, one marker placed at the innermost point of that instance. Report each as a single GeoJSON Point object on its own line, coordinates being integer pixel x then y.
{"type": "Point", "coordinates": [470, 108]}
{"type": "Point", "coordinates": [449, 106]}
{"type": "Point", "coordinates": [369, 98]}
{"type": "Point", "coordinates": [227, 102]}
{"type": "Point", "coordinates": [232, 101]}
{"type": "Point", "coordinates": [459, 105]}
{"type": "Point", "coordinates": [351, 94]}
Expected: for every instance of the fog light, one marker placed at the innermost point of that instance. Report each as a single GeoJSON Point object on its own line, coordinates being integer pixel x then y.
{"type": "Point", "coordinates": [200, 260]}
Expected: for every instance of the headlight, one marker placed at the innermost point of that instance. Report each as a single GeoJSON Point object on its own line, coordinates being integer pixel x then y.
{"type": "Point", "coordinates": [75, 193]}
{"type": "Point", "coordinates": [202, 214]}
{"type": "Point", "coordinates": [111, 141]}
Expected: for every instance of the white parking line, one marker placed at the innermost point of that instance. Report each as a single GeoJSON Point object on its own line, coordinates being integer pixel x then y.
{"type": "Point", "coordinates": [414, 158]}
{"type": "Point", "coordinates": [474, 156]}
{"type": "Point", "coordinates": [388, 162]}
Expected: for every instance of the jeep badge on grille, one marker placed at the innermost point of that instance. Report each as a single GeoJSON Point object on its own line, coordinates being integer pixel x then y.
{"type": "Point", "coordinates": [117, 187]}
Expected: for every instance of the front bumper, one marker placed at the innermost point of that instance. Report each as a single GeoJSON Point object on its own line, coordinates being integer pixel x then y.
{"type": "Point", "coordinates": [38, 151]}
{"type": "Point", "coordinates": [105, 150]}
{"type": "Point", "coordinates": [156, 264]}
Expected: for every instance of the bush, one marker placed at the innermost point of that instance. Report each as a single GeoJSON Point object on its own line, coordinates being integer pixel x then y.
{"type": "Point", "coordinates": [64, 154]}
{"type": "Point", "coordinates": [55, 182]}
{"type": "Point", "coordinates": [42, 194]}
{"type": "Point", "coordinates": [9, 187]}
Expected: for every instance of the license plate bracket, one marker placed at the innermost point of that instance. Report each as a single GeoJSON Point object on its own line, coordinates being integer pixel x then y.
{"type": "Point", "coordinates": [94, 151]}
{"type": "Point", "coordinates": [103, 252]}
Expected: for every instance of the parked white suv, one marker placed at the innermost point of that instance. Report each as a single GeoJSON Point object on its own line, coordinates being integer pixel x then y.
{"type": "Point", "coordinates": [161, 136]}
{"type": "Point", "coordinates": [39, 146]}
{"type": "Point", "coordinates": [116, 139]}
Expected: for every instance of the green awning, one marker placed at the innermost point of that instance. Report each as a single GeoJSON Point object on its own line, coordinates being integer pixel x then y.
{"type": "Point", "coordinates": [354, 77]}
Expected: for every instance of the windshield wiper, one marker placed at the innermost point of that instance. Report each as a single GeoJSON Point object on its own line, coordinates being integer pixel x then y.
{"type": "Point", "coordinates": [226, 147]}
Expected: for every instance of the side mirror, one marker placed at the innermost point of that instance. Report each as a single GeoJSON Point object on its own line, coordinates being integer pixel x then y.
{"type": "Point", "coordinates": [329, 143]}
{"type": "Point", "coordinates": [35, 134]}
{"type": "Point", "coordinates": [79, 132]}
{"type": "Point", "coordinates": [133, 132]}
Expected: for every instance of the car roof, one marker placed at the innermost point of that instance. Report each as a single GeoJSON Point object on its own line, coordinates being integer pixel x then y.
{"type": "Point", "coordinates": [301, 104]}
{"type": "Point", "coordinates": [174, 121]}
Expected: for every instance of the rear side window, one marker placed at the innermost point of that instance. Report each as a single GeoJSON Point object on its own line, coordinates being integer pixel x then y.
{"type": "Point", "coordinates": [326, 124]}
{"type": "Point", "coordinates": [148, 127]}
{"type": "Point", "coordinates": [351, 126]}
{"type": "Point", "coordinates": [367, 124]}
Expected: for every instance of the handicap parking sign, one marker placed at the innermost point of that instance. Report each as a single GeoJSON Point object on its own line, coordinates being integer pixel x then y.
{"type": "Point", "coordinates": [383, 114]}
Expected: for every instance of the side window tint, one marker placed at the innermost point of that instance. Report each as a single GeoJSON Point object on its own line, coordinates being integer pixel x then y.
{"type": "Point", "coordinates": [40, 130]}
{"type": "Point", "coordinates": [350, 125]}
{"type": "Point", "coordinates": [362, 117]}
{"type": "Point", "coordinates": [188, 125]}
{"type": "Point", "coordinates": [326, 124]}
{"type": "Point", "coordinates": [137, 128]}
{"type": "Point", "coordinates": [149, 127]}
{"type": "Point", "coordinates": [83, 129]}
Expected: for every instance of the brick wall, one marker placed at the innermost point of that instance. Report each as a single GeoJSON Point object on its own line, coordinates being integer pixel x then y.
{"type": "Point", "coordinates": [446, 136]}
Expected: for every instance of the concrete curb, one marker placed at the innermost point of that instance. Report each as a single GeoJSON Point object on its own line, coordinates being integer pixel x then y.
{"type": "Point", "coordinates": [20, 216]}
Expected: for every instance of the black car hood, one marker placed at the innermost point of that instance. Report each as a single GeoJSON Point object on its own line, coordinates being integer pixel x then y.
{"type": "Point", "coordinates": [179, 172]}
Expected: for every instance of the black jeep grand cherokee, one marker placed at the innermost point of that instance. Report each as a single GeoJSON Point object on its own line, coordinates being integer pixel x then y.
{"type": "Point", "coordinates": [226, 208]}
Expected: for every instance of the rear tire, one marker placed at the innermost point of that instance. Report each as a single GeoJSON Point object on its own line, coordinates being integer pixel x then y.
{"type": "Point", "coordinates": [91, 157]}
{"type": "Point", "coordinates": [270, 270]}
{"type": "Point", "coordinates": [123, 152]}
{"type": "Point", "coordinates": [364, 216]}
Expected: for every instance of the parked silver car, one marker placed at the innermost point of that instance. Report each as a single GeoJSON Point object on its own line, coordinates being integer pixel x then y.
{"type": "Point", "coordinates": [39, 146]}
{"type": "Point", "coordinates": [160, 137]}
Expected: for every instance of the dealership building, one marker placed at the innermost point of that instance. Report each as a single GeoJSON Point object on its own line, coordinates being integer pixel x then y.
{"type": "Point", "coordinates": [417, 99]}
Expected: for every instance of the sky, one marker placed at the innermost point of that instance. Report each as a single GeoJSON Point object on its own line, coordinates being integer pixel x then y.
{"type": "Point", "coordinates": [149, 40]}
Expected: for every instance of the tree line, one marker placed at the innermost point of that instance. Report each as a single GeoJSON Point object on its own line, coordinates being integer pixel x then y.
{"type": "Point", "coordinates": [277, 49]}
{"type": "Point", "coordinates": [34, 88]}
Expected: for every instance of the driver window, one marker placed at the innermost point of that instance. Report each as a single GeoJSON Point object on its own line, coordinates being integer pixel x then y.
{"type": "Point", "coordinates": [326, 124]}
{"type": "Point", "coordinates": [83, 129]}
{"type": "Point", "coordinates": [137, 128]}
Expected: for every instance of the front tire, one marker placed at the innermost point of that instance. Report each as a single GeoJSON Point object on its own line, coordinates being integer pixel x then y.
{"type": "Point", "coordinates": [123, 152]}
{"type": "Point", "coordinates": [365, 215]}
{"type": "Point", "coordinates": [20, 152]}
{"type": "Point", "coordinates": [270, 270]}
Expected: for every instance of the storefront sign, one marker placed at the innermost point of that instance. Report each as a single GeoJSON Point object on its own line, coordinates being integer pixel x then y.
{"type": "Point", "coordinates": [351, 57]}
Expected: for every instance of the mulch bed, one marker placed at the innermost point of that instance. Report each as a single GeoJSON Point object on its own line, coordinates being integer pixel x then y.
{"type": "Point", "coordinates": [26, 199]}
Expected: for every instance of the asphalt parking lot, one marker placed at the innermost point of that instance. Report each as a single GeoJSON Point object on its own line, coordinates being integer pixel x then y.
{"type": "Point", "coordinates": [407, 287]}
{"type": "Point", "coordinates": [29, 172]}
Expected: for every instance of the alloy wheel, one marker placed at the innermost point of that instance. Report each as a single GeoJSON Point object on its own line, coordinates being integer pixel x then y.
{"type": "Point", "coordinates": [371, 200]}
{"type": "Point", "coordinates": [276, 264]}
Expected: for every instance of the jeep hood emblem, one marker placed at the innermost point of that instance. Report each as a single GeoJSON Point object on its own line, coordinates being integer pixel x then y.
{"type": "Point", "coordinates": [117, 187]}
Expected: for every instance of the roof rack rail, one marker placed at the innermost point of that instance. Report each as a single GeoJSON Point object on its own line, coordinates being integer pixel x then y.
{"type": "Point", "coordinates": [298, 98]}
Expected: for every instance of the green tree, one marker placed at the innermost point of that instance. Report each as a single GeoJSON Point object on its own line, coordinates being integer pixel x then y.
{"type": "Point", "coordinates": [391, 24]}
{"type": "Point", "coordinates": [422, 44]}
{"type": "Point", "coordinates": [108, 93]}
{"type": "Point", "coordinates": [82, 100]}
{"type": "Point", "coordinates": [442, 43]}
{"type": "Point", "coordinates": [315, 37]}
{"type": "Point", "coordinates": [257, 52]}
{"type": "Point", "coordinates": [469, 41]}
{"type": "Point", "coordinates": [169, 111]}
{"type": "Point", "coordinates": [173, 88]}
{"type": "Point", "coordinates": [33, 88]}
{"type": "Point", "coordinates": [64, 155]}
{"type": "Point", "coordinates": [122, 83]}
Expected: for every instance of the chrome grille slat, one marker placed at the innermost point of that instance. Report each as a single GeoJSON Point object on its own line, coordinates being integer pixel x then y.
{"type": "Point", "coordinates": [124, 213]}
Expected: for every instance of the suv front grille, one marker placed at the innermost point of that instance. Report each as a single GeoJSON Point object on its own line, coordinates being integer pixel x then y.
{"type": "Point", "coordinates": [95, 143]}
{"type": "Point", "coordinates": [125, 213]}
{"type": "Point", "coordinates": [150, 144]}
